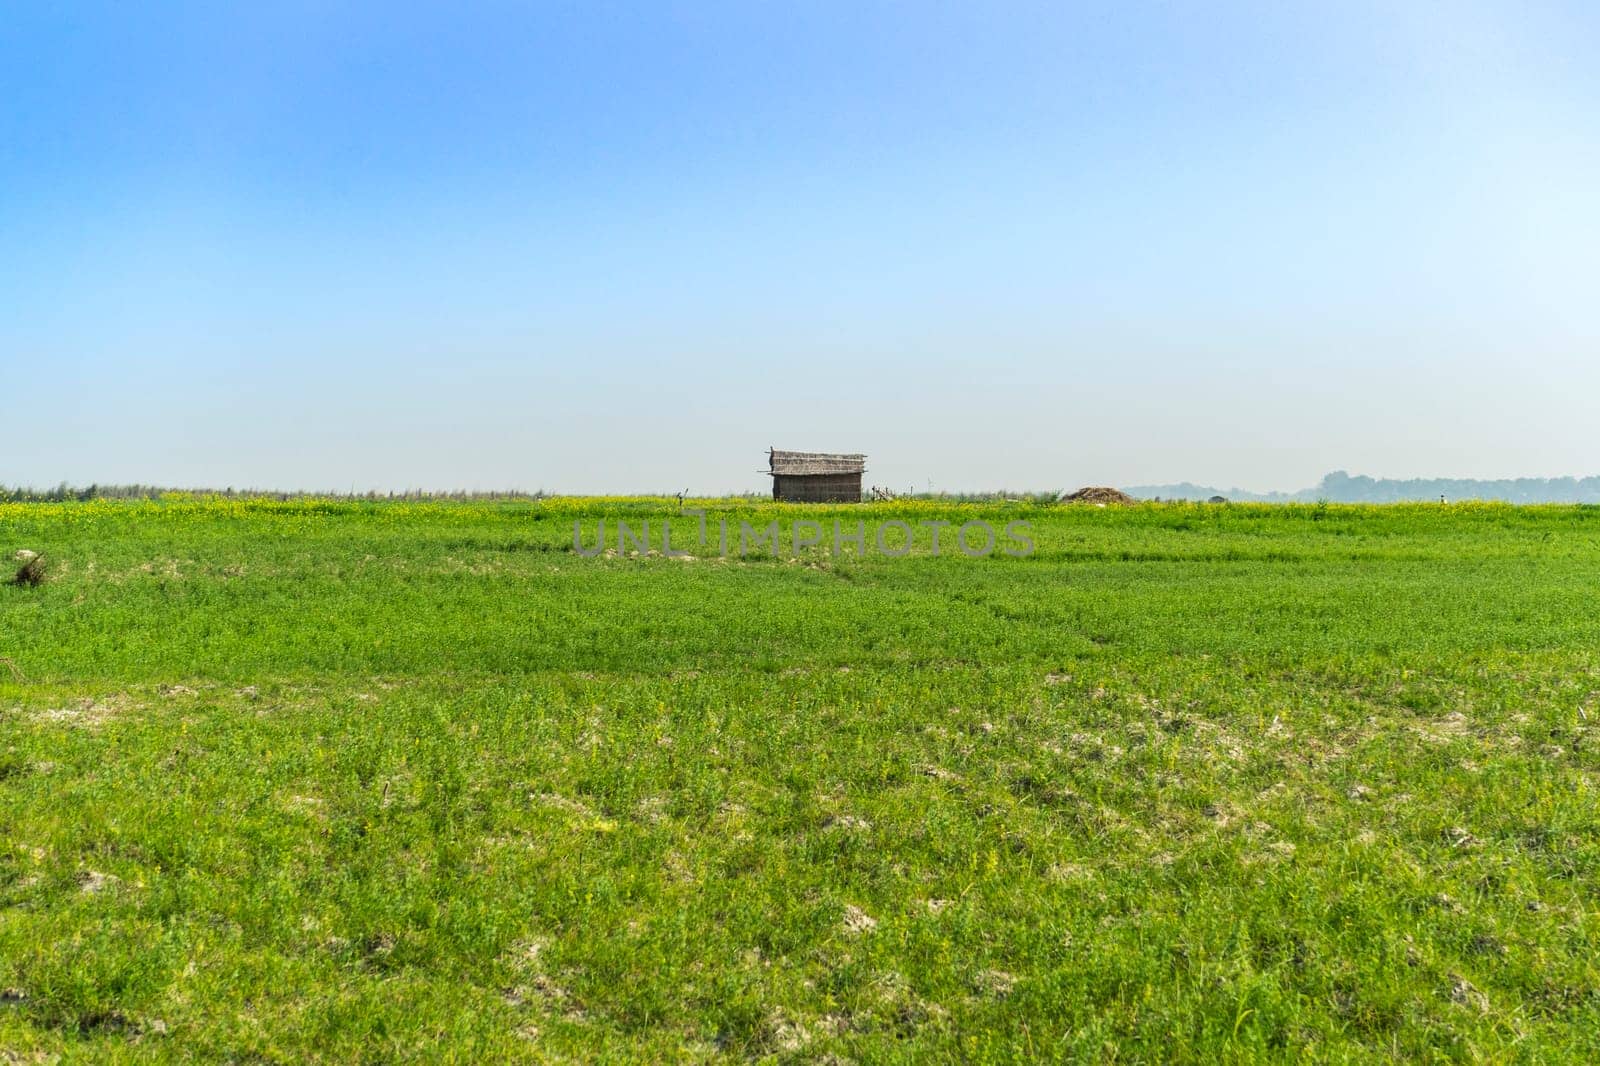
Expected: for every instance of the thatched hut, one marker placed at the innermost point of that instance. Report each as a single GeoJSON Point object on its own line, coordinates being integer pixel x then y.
{"type": "Point", "coordinates": [815, 477]}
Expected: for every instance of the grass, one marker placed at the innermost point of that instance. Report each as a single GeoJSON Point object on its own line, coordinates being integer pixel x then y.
{"type": "Point", "coordinates": [289, 781]}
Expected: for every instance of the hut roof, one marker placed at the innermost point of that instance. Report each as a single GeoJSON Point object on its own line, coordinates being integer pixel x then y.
{"type": "Point", "coordinates": [814, 463]}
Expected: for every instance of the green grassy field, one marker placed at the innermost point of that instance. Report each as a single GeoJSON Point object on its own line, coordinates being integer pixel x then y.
{"type": "Point", "coordinates": [371, 782]}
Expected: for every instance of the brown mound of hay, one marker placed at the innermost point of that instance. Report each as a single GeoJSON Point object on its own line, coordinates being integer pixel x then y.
{"type": "Point", "coordinates": [1098, 494]}
{"type": "Point", "coordinates": [32, 573]}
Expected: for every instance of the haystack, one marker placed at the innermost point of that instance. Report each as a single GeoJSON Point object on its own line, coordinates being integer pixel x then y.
{"type": "Point", "coordinates": [1102, 494]}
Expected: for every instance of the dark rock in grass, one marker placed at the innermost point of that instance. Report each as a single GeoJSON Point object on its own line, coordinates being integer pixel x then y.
{"type": "Point", "coordinates": [33, 571]}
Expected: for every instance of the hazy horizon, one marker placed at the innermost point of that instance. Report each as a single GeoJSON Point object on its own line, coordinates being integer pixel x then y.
{"type": "Point", "coordinates": [1348, 488]}
{"type": "Point", "coordinates": [611, 249]}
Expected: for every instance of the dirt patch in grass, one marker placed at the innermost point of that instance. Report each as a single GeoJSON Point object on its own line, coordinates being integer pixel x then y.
{"type": "Point", "coordinates": [86, 712]}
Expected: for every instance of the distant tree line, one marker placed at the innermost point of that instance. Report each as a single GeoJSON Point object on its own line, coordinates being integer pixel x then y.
{"type": "Point", "coordinates": [1342, 487]}
{"type": "Point", "coordinates": [64, 492]}
{"type": "Point", "coordinates": [1337, 487]}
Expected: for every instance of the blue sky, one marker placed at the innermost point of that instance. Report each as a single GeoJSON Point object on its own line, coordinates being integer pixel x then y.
{"type": "Point", "coordinates": [599, 247]}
